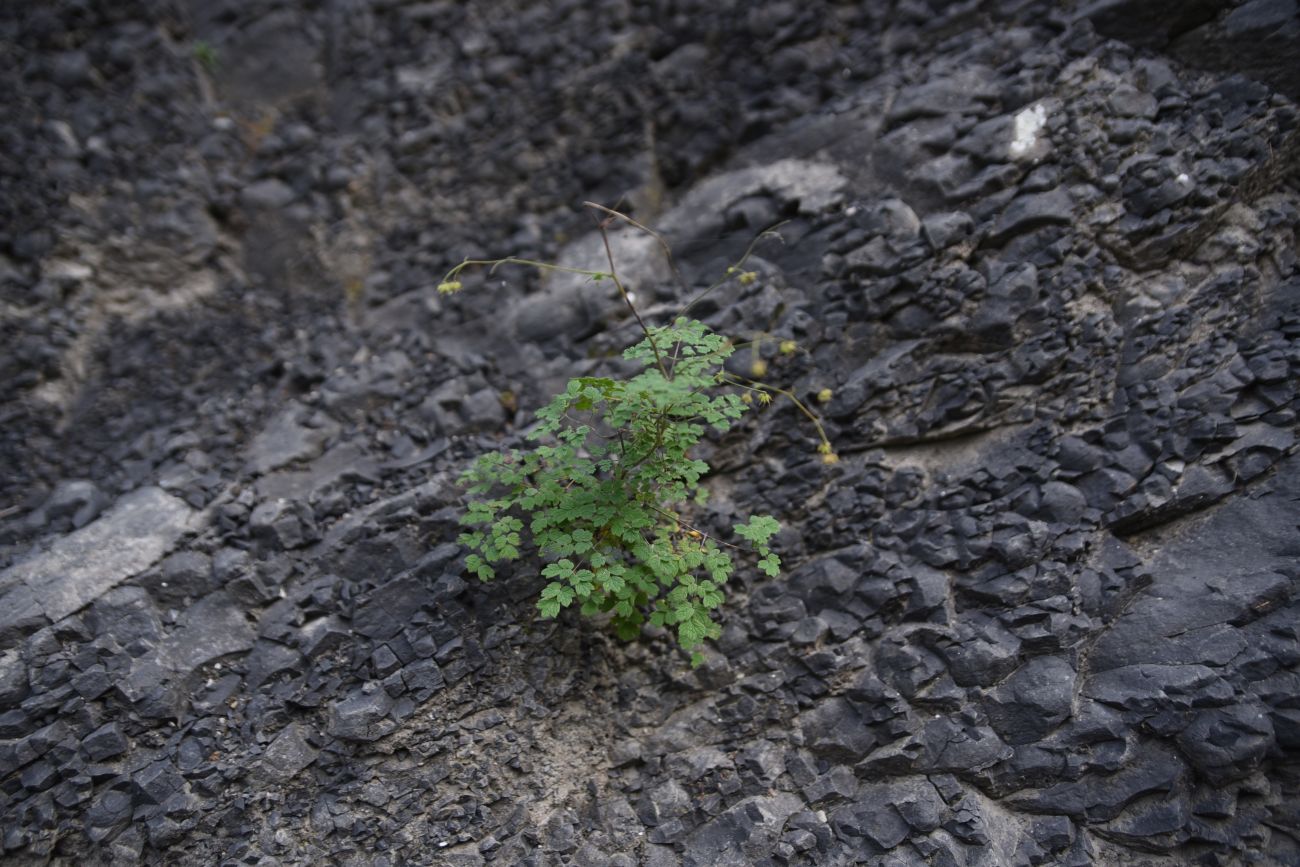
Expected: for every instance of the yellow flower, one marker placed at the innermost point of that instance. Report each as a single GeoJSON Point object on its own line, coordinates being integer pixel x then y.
{"type": "Point", "coordinates": [764, 398]}
{"type": "Point", "coordinates": [830, 458]}
{"type": "Point", "coordinates": [789, 347]}
{"type": "Point", "coordinates": [748, 277]}
{"type": "Point", "coordinates": [449, 287]}
{"type": "Point", "coordinates": [825, 395]}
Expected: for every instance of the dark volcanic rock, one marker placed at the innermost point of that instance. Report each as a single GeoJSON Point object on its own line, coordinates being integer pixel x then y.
{"type": "Point", "coordinates": [1037, 286]}
{"type": "Point", "coordinates": [363, 715]}
{"type": "Point", "coordinates": [1032, 701]}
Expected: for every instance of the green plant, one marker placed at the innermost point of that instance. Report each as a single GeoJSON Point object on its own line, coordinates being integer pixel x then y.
{"type": "Point", "coordinates": [206, 55]}
{"type": "Point", "coordinates": [602, 494]}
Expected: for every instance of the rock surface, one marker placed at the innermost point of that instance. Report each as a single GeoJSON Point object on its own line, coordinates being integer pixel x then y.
{"type": "Point", "coordinates": [1043, 257]}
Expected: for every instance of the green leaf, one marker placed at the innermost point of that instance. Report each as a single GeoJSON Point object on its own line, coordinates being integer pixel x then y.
{"type": "Point", "coordinates": [581, 541]}
{"type": "Point", "coordinates": [759, 529]}
{"type": "Point", "coordinates": [475, 564]}
{"type": "Point", "coordinates": [612, 582]}
{"type": "Point", "coordinates": [559, 569]}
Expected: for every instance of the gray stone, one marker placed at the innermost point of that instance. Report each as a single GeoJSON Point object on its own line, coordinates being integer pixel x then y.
{"type": "Point", "coordinates": [268, 659]}
{"type": "Point", "coordinates": [38, 776]}
{"type": "Point", "coordinates": [104, 742]}
{"type": "Point", "coordinates": [213, 627]}
{"type": "Point", "coordinates": [343, 463]}
{"type": "Point", "coordinates": [1062, 503]}
{"type": "Point", "coordinates": [286, 439]}
{"type": "Point", "coordinates": [951, 746]}
{"type": "Point", "coordinates": [482, 410]}
{"type": "Point", "coordinates": [71, 69]}
{"type": "Point", "coordinates": [139, 529]}
{"type": "Point", "coordinates": [808, 631]}
{"type": "Point", "coordinates": [961, 92]}
{"type": "Point", "coordinates": [666, 801]}
{"type": "Point", "coordinates": [288, 754]}
{"type": "Point", "coordinates": [947, 229]}
{"type": "Point", "coordinates": [1229, 743]}
{"type": "Point", "coordinates": [692, 764]}
{"type": "Point", "coordinates": [15, 723]}
{"type": "Point", "coordinates": [20, 614]}
{"type": "Point", "coordinates": [1033, 700]}
{"type": "Point", "coordinates": [109, 813]}
{"type": "Point", "coordinates": [362, 715]}
{"type": "Point", "coordinates": [1130, 102]}
{"type": "Point", "coordinates": [1031, 212]}
{"type": "Point", "coordinates": [742, 834]}
{"type": "Point", "coordinates": [127, 615]}
{"type": "Point", "coordinates": [323, 635]}
{"type": "Point", "coordinates": [983, 653]}
{"type": "Point", "coordinates": [838, 784]}
{"type": "Point", "coordinates": [456, 407]}
{"type": "Point", "coordinates": [282, 525]}
{"type": "Point", "coordinates": [258, 582]}
{"type": "Point", "coordinates": [836, 730]}
{"type": "Point", "coordinates": [157, 782]}
{"type": "Point", "coordinates": [815, 186]}
{"type": "Point", "coordinates": [268, 194]}
{"type": "Point", "coordinates": [149, 687]}
{"type": "Point", "coordinates": [1100, 796]}
{"type": "Point", "coordinates": [878, 823]}
{"type": "Point", "coordinates": [423, 678]}
{"type": "Point", "coordinates": [1146, 822]}
{"type": "Point", "coordinates": [388, 609]}
{"type": "Point", "coordinates": [13, 679]}
{"type": "Point", "coordinates": [78, 501]}
{"type": "Point", "coordinates": [180, 575]}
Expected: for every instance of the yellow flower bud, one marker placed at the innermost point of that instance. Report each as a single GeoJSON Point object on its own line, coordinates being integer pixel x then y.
{"type": "Point", "coordinates": [748, 277]}
{"type": "Point", "coordinates": [449, 287]}
{"type": "Point", "coordinates": [825, 395]}
{"type": "Point", "coordinates": [746, 398]}
{"type": "Point", "coordinates": [789, 347]}
{"type": "Point", "coordinates": [830, 458]}
{"type": "Point", "coordinates": [758, 369]}
{"type": "Point", "coordinates": [764, 398]}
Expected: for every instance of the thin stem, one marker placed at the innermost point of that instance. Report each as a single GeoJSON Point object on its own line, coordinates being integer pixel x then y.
{"type": "Point", "coordinates": [755, 385]}
{"type": "Point", "coordinates": [660, 426]}
{"type": "Point", "coordinates": [735, 266]}
{"type": "Point", "coordinates": [682, 523]}
{"type": "Point", "coordinates": [613, 273]}
{"type": "Point", "coordinates": [511, 260]}
{"type": "Point", "coordinates": [668, 251]}
{"type": "Point", "coordinates": [590, 429]}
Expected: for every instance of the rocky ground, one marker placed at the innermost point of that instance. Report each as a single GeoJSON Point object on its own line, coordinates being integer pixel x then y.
{"type": "Point", "coordinates": [1044, 255]}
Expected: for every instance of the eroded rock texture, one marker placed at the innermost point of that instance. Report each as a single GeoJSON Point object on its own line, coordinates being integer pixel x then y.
{"type": "Point", "coordinates": [1042, 611]}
